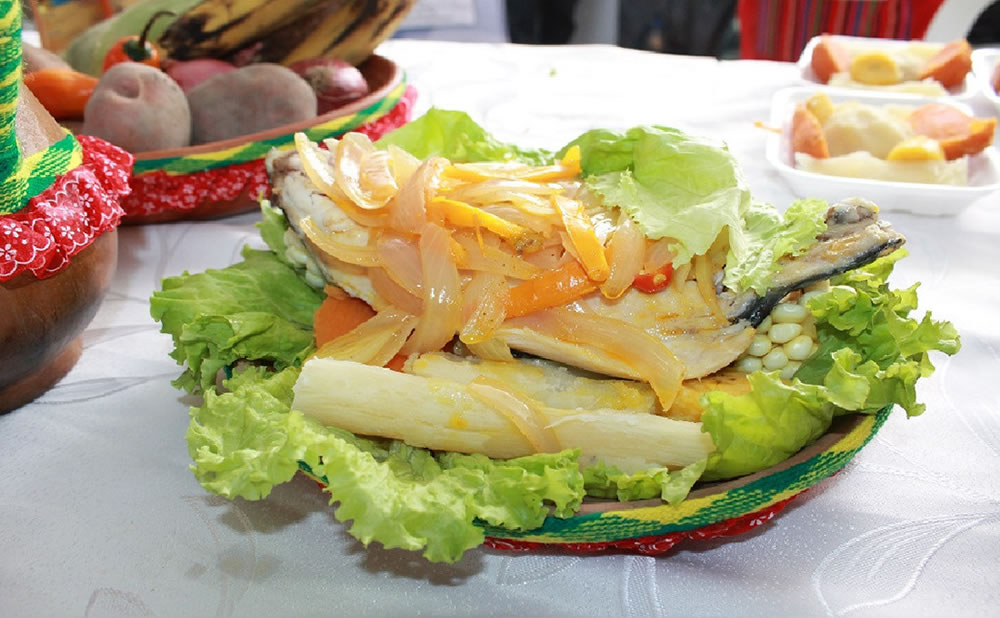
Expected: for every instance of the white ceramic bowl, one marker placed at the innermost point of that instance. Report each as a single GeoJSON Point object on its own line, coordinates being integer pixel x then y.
{"type": "Point", "coordinates": [965, 91]}
{"type": "Point", "coordinates": [917, 198]}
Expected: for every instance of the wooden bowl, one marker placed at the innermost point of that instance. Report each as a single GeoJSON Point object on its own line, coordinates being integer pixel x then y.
{"type": "Point", "coordinates": [387, 84]}
{"type": "Point", "coordinates": [43, 318]}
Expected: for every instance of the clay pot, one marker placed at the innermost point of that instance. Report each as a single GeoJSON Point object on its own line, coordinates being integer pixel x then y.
{"type": "Point", "coordinates": [382, 75]}
{"type": "Point", "coordinates": [43, 318]}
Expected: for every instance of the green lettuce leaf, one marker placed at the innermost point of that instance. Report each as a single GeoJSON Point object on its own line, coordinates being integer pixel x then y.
{"type": "Point", "coordinates": [671, 184]}
{"type": "Point", "coordinates": [246, 441]}
{"type": "Point", "coordinates": [767, 237]}
{"type": "Point", "coordinates": [672, 486]}
{"type": "Point", "coordinates": [272, 226]}
{"type": "Point", "coordinates": [457, 137]}
{"type": "Point", "coordinates": [870, 356]}
{"type": "Point", "coordinates": [257, 309]}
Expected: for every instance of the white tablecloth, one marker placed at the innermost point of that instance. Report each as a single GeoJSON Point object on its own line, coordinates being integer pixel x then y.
{"type": "Point", "coordinates": [99, 514]}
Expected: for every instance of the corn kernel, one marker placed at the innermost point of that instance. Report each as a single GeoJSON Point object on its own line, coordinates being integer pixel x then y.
{"type": "Point", "coordinates": [789, 312]}
{"type": "Point", "coordinates": [784, 332]}
{"type": "Point", "coordinates": [798, 349]}
{"type": "Point", "coordinates": [765, 325]}
{"type": "Point", "coordinates": [760, 346]}
{"type": "Point", "coordinates": [789, 370]}
{"type": "Point", "coordinates": [775, 359]}
{"type": "Point", "coordinates": [749, 364]}
{"type": "Point", "coordinates": [805, 298]}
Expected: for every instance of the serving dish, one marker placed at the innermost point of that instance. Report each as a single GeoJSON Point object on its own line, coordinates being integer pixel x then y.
{"type": "Point", "coordinates": [226, 177]}
{"type": "Point", "coordinates": [925, 199]}
{"type": "Point", "coordinates": [984, 62]}
{"type": "Point", "coordinates": [712, 511]}
{"type": "Point", "coordinates": [964, 92]}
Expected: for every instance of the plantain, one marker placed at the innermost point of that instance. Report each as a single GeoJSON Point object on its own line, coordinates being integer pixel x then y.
{"type": "Point", "coordinates": [687, 405]}
{"type": "Point", "coordinates": [219, 28]}
{"type": "Point", "coordinates": [352, 31]}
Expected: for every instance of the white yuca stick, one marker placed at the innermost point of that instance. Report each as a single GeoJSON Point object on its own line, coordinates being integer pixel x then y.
{"type": "Point", "coordinates": [440, 414]}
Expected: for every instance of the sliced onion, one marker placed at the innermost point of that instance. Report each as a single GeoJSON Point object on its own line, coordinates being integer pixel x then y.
{"type": "Point", "coordinates": [658, 254]}
{"type": "Point", "coordinates": [403, 164]}
{"type": "Point", "coordinates": [641, 351]}
{"type": "Point", "coordinates": [706, 287]}
{"type": "Point", "coordinates": [626, 252]}
{"type": "Point", "coordinates": [393, 293]}
{"type": "Point", "coordinates": [533, 222]}
{"type": "Point", "coordinates": [400, 258]}
{"type": "Point", "coordinates": [377, 179]}
{"type": "Point", "coordinates": [348, 167]}
{"type": "Point", "coordinates": [442, 292]}
{"type": "Point", "coordinates": [316, 163]}
{"type": "Point", "coordinates": [408, 210]}
{"type": "Point", "coordinates": [495, 259]}
{"type": "Point", "coordinates": [492, 349]}
{"type": "Point", "coordinates": [484, 307]}
{"type": "Point", "coordinates": [372, 342]}
{"type": "Point", "coordinates": [359, 255]}
{"type": "Point", "coordinates": [519, 410]}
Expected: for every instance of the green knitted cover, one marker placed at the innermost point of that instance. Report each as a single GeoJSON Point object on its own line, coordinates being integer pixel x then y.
{"type": "Point", "coordinates": [22, 178]}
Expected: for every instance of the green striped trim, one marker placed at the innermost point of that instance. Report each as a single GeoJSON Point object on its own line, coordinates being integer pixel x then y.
{"type": "Point", "coordinates": [659, 521]}
{"type": "Point", "coordinates": [10, 79]}
{"type": "Point", "coordinates": [252, 151]}
{"type": "Point", "coordinates": [37, 173]}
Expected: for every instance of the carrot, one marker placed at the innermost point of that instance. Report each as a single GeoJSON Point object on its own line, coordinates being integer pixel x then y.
{"type": "Point", "coordinates": [338, 315]}
{"type": "Point", "coordinates": [829, 57]}
{"type": "Point", "coordinates": [551, 289]}
{"type": "Point", "coordinates": [63, 92]}
{"type": "Point", "coordinates": [807, 134]}
{"type": "Point", "coordinates": [950, 65]}
{"type": "Point", "coordinates": [958, 133]}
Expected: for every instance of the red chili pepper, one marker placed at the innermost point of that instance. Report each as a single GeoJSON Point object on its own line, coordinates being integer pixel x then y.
{"type": "Point", "coordinates": [136, 48]}
{"type": "Point", "coordinates": [653, 282]}
{"type": "Point", "coordinates": [63, 92]}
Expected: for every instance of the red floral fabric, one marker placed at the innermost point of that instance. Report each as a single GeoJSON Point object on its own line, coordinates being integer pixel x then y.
{"type": "Point", "coordinates": [158, 192]}
{"type": "Point", "coordinates": [63, 220]}
{"type": "Point", "coordinates": [653, 545]}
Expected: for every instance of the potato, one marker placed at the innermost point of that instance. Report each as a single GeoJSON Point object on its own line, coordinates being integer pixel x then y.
{"type": "Point", "coordinates": [138, 108]}
{"type": "Point", "coordinates": [254, 98]}
{"type": "Point", "coordinates": [38, 58]}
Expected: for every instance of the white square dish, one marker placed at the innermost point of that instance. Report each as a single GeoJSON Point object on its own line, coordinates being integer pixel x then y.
{"type": "Point", "coordinates": [984, 62]}
{"type": "Point", "coordinates": [917, 198]}
{"type": "Point", "coordinates": [965, 91]}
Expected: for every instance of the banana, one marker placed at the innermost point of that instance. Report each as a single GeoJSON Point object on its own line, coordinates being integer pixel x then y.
{"type": "Point", "coordinates": [352, 31]}
{"type": "Point", "coordinates": [219, 28]}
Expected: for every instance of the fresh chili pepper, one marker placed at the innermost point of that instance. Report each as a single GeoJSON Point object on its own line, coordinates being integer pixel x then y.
{"type": "Point", "coordinates": [63, 92]}
{"type": "Point", "coordinates": [136, 48]}
{"type": "Point", "coordinates": [653, 282]}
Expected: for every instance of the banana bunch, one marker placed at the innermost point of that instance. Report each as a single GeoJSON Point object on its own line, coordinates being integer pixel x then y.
{"type": "Point", "coordinates": [282, 31]}
{"type": "Point", "coordinates": [285, 31]}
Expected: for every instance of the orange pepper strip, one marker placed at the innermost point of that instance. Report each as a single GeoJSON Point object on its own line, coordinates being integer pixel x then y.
{"type": "Point", "coordinates": [63, 92]}
{"type": "Point", "coordinates": [551, 289]}
{"type": "Point", "coordinates": [581, 233]}
{"type": "Point", "coordinates": [568, 167]}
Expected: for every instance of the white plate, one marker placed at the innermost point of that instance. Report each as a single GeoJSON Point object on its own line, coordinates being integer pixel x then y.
{"type": "Point", "coordinates": [918, 198]}
{"type": "Point", "coordinates": [966, 90]}
{"type": "Point", "coordinates": [984, 61]}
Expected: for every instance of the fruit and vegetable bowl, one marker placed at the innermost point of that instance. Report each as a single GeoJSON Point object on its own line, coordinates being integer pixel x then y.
{"type": "Point", "coordinates": [200, 91]}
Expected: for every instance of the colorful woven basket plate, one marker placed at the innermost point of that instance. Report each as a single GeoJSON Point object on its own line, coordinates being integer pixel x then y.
{"type": "Point", "coordinates": [711, 511]}
{"type": "Point", "coordinates": [227, 177]}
